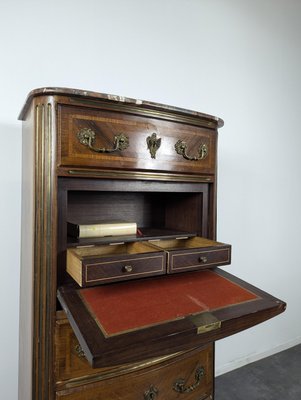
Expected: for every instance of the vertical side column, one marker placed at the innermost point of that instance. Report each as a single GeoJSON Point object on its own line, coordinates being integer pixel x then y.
{"type": "Point", "coordinates": [27, 259]}
{"type": "Point", "coordinates": [41, 265]}
{"type": "Point", "coordinates": [213, 197]}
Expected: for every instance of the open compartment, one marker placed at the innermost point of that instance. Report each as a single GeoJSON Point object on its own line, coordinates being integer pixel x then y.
{"type": "Point", "coordinates": [125, 322]}
{"type": "Point", "coordinates": [156, 214]}
{"type": "Point", "coordinates": [160, 210]}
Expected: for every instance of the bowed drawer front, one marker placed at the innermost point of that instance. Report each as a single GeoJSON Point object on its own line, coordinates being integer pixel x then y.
{"type": "Point", "coordinates": [112, 140]}
{"type": "Point", "coordinates": [188, 376]}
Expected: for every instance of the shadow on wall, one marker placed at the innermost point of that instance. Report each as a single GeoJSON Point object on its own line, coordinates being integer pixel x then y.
{"type": "Point", "coordinates": [10, 175]}
{"type": "Point", "coordinates": [10, 226]}
{"type": "Point", "coordinates": [10, 155]}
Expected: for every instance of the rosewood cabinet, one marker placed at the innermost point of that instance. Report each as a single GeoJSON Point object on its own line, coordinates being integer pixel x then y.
{"type": "Point", "coordinates": [123, 317]}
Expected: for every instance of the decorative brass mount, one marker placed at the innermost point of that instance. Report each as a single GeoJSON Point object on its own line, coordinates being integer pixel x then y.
{"type": "Point", "coordinates": [205, 322]}
{"type": "Point", "coordinates": [153, 144]}
{"type": "Point", "coordinates": [181, 148]}
{"type": "Point", "coordinates": [86, 136]}
{"type": "Point", "coordinates": [179, 385]}
{"type": "Point", "coordinates": [151, 393]}
{"type": "Point", "coordinates": [79, 351]}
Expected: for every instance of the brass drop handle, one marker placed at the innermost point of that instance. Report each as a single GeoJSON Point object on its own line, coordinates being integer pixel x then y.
{"type": "Point", "coordinates": [127, 268]}
{"type": "Point", "coordinates": [86, 136]}
{"type": "Point", "coordinates": [203, 259]}
{"type": "Point", "coordinates": [151, 393]}
{"type": "Point", "coordinates": [179, 385]}
{"type": "Point", "coordinates": [181, 148]}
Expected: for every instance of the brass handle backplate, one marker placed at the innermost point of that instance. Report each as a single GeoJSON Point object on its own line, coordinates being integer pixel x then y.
{"type": "Point", "coordinates": [203, 259]}
{"type": "Point", "coordinates": [180, 387]}
{"type": "Point", "coordinates": [181, 148]}
{"type": "Point", "coordinates": [127, 268]}
{"type": "Point", "coordinates": [151, 393]}
{"type": "Point", "coordinates": [86, 136]}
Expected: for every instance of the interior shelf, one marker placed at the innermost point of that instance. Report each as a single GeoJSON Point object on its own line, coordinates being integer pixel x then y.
{"type": "Point", "coordinates": [144, 234]}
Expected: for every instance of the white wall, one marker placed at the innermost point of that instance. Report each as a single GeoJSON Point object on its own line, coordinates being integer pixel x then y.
{"type": "Point", "coordinates": [237, 59]}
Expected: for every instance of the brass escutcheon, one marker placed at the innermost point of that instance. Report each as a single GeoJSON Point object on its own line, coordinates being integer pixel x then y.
{"type": "Point", "coordinates": [153, 144]}
{"type": "Point", "coordinates": [79, 351]}
{"type": "Point", "coordinates": [151, 393]}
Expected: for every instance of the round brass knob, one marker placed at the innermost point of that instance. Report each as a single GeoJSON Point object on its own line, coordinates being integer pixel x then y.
{"type": "Point", "coordinates": [127, 268]}
{"type": "Point", "coordinates": [203, 259]}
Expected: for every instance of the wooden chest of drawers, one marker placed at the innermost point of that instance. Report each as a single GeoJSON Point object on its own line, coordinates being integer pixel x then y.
{"type": "Point", "coordinates": [99, 156]}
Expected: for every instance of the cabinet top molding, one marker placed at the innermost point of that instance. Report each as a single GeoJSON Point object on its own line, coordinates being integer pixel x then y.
{"type": "Point", "coordinates": [85, 94]}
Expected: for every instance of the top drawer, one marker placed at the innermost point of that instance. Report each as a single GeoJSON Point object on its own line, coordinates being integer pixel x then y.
{"type": "Point", "coordinates": [114, 140]}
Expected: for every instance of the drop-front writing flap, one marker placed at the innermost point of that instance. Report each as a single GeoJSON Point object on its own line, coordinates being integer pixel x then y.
{"type": "Point", "coordinates": [161, 315]}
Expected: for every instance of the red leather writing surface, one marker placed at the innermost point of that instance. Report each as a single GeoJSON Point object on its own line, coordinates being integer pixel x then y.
{"type": "Point", "coordinates": [120, 308]}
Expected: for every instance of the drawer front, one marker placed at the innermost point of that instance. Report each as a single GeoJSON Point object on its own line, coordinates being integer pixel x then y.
{"type": "Point", "coordinates": [142, 143]}
{"type": "Point", "coordinates": [124, 268]}
{"type": "Point", "coordinates": [71, 366]}
{"type": "Point", "coordinates": [69, 361]}
{"type": "Point", "coordinates": [189, 259]}
{"type": "Point", "coordinates": [189, 377]}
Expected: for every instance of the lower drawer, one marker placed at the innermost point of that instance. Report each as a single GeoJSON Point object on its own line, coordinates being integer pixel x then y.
{"type": "Point", "coordinates": [71, 366]}
{"type": "Point", "coordinates": [69, 361]}
{"type": "Point", "coordinates": [189, 376]}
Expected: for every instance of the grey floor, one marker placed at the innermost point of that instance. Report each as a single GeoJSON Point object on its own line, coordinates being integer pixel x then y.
{"type": "Point", "coordinates": [276, 377]}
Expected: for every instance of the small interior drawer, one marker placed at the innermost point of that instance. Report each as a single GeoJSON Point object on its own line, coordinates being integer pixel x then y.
{"type": "Point", "coordinates": [194, 253]}
{"type": "Point", "coordinates": [94, 265]}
